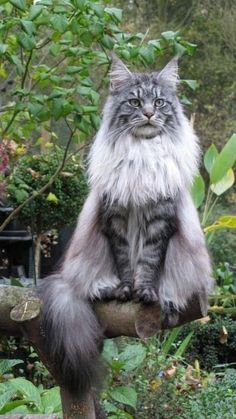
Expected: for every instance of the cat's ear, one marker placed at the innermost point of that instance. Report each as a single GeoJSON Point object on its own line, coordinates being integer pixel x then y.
{"type": "Point", "coordinates": [169, 75]}
{"type": "Point", "coordinates": [119, 73]}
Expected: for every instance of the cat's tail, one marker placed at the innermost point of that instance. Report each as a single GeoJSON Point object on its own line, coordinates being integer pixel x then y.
{"type": "Point", "coordinates": [71, 334]}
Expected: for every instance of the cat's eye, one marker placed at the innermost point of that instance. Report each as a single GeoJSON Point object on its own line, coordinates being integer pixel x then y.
{"type": "Point", "coordinates": [135, 103]}
{"type": "Point", "coordinates": [159, 103]}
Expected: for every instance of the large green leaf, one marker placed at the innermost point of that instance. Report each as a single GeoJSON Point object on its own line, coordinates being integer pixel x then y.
{"type": "Point", "coordinates": [224, 161]}
{"type": "Point", "coordinates": [51, 400]}
{"type": "Point", "coordinates": [209, 157]}
{"type": "Point", "coordinates": [29, 390]}
{"type": "Point", "coordinates": [224, 184]}
{"type": "Point", "coordinates": [27, 42]}
{"type": "Point", "coordinates": [59, 23]}
{"type": "Point", "coordinates": [110, 350]}
{"type": "Point", "coordinates": [35, 11]}
{"type": "Point", "coordinates": [124, 394]}
{"type": "Point", "coordinates": [6, 397]}
{"type": "Point", "coordinates": [198, 191]}
{"type": "Point", "coordinates": [132, 356]}
{"type": "Point", "coordinates": [19, 4]}
{"type": "Point", "coordinates": [13, 405]}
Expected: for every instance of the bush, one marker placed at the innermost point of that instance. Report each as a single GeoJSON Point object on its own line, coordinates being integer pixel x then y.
{"type": "Point", "coordinates": [206, 344]}
{"type": "Point", "coordinates": [60, 205]}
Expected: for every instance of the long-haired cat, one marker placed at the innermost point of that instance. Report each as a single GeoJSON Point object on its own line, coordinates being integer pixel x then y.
{"type": "Point", "coordinates": [138, 235]}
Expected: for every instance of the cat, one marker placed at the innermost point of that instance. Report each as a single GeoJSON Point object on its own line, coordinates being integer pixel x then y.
{"type": "Point", "coordinates": [138, 235]}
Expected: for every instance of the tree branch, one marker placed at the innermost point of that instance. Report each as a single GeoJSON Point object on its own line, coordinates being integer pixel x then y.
{"type": "Point", "coordinates": [19, 315]}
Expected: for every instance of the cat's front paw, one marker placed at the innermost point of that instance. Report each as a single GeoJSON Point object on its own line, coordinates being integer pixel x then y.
{"type": "Point", "coordinates": [124, 292]}
{"type": "Point", "coordinates": [146, 295]}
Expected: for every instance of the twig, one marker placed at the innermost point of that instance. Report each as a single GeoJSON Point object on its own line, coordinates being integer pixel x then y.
{"type": "Point", "coordinates": [26, 69]}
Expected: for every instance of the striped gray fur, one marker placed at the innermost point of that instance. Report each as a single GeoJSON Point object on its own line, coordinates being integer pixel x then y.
{"type": "Point", "coordinates": [138, 235]}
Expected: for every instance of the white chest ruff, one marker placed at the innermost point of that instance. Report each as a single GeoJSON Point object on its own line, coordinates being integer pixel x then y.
{"type": "Point", "coordinates": [139, 170]}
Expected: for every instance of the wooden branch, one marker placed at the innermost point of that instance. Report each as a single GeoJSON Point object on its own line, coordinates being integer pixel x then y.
{"type": "Point", "coordinates": [19, 315]}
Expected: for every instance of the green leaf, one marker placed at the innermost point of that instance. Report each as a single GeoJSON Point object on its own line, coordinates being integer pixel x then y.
{"type": "Point", "coordinates": [59, 23]}
{"type": "Point", "coordinates": [13, 405]}
{"type": "Point", "coordinates": [155, 43]}
{"type": "Point", "coordinates": [51, 400]}
{"type": "Point", "coordinates": [28, 389]}
{"type": "Point", "coordinates": [193, 84]}
{"type": "Point", "coordinates": [35, 11]}
{"type": "Point", "coordinates": [3, 48]}
{"type": "Point", "coordinates": [183, 346]}
{"type": "Point", "coordinates": [110, 350]}
{"type": "Point", "coordinates": [35, 108]}
{"type": "Point", "coordinates": [209, 157]}
{"type": "Point", "coordinates": [28, 27]}
{"type": "Point", "coordinates": [19, 4]}
{"type": "Point", "coordinates": [147, 54]}
{"type": "Point", "coordinates": [170, 339]}
{"type": "Point", "coordinates": [224, 184]}
{"type": "Point", "coordinates": [72, 69]}
{"type": "Point", "coordinates": [21, 195]}
{"type": "Point", "coordinates": [27, 42]}
{"type": "Point", "coordinates": [132, 356]}
{"type": "Point", "coordinates": [98, 9]}
{"type": "Point", "coordinates": [6, 397]}
{"type": "Point", "coordinates": [115, 13]}
{"type": "Point", "coordinates": [179, 49]}
{"type": "Point", "coordinates": [198, 191]}
{"type": "Point", "coordinates": [7, 364]}
{"type": "Point", "coordinates": [124, 394]}
{"type": "Point", "coordinates": [224, 161]}
{"type": "Point", "coordinates": [169, 35]}
{"type": "Point", "coordinates": [52, 198]}
{"type": "Point", "coordinates": [15, 60]}
{"type": "Point", "coordinates": [107, 41]}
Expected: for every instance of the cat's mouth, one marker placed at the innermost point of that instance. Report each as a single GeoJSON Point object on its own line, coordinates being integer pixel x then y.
{"type": "Point", "coordinates": [146, 130]}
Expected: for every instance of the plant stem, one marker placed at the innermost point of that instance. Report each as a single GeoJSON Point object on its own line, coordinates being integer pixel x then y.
{"type": "Point", "coordinates": [10, 122]}
{"type": "Point", "coordinates": [26, 70]}
{"type": "Point", "coordinates": [207, 205]}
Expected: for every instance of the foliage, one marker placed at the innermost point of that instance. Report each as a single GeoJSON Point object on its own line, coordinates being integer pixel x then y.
{"type": "Point", "coordinates": [212, 343]}
{"type": "Point", "coordinates": [18, 395]}
{"type": "Point", "coordinates": [210, 24]}
{"type": "Point", "coordinates": [61, 203]}
{"type": "Point", "coordinates": [219, 168]}
{"type": "Point", "coordinates": [49, 48]}
{"type": "Point", "coordinates": [127, 363]}
{"type": "Point", "coordinates": [218, 400]}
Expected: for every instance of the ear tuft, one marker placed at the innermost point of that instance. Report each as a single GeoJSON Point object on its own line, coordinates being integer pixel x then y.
{"type": "Point", "coordinates": [169, 74]}
{"type": "Point", "coordinates": [119, 73]}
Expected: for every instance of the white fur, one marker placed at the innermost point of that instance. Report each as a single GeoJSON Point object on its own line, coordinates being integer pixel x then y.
{"type": "Point", "coordinates": [137, 170]}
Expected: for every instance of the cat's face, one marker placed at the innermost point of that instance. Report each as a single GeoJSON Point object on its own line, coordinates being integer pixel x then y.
{"type": "Point", "coordinates": [144, 105]}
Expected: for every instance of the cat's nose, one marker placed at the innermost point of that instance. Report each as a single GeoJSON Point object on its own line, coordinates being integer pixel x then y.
{"type": "Point", "coordinates": [148, 114]}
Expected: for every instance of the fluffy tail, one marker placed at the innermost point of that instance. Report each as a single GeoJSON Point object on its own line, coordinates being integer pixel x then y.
{"type": "Point", "coordinates": [72, 335]}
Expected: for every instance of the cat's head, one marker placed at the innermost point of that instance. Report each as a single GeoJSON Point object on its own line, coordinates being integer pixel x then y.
{"type": "Point", "coordinates": [141, 104]}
